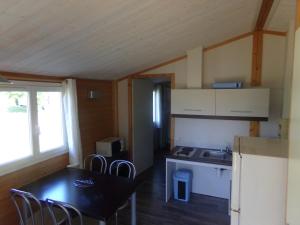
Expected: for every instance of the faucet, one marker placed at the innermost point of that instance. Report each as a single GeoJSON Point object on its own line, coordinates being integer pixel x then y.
{"type": "Point", "coordinates": [228, 149]}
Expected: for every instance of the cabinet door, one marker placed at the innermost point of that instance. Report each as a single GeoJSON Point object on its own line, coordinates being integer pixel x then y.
{"type": "Point", "coordinates": [263, 190]}
{"type": "Point", "coordinates": [193, 102]}
{"type": "Point", "coordinates": [242, 102]}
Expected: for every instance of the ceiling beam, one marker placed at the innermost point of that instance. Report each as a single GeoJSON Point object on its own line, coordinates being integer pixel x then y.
{"type": "Point", "coordinates": [206, 49]}
{"type": "Point", "coordinates": [31, 77]}
{"type": "Point", "coordinates": [263, 14]}
{"type": "Point", "coordinates": [278, 33]}
{"type": "Point", "coordinates": [227, 41]}
{"type": "Point", "coordinates": [153, 67]}
{"type": "Point", "coordinates": [257, 52]}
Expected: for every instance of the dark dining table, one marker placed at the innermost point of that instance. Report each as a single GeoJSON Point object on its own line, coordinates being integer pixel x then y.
{"type": "Point", "coordinates": [99, 201]}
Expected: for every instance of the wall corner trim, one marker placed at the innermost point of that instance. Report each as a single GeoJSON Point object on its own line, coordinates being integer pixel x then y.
{"type": "Point", "coordinates": [298, 15]}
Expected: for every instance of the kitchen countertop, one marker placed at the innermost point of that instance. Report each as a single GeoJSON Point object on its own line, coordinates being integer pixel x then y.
{"type": "Point", "coordinates": [272, 147]}
{"type": "Point", "coordinates": [196, 157]}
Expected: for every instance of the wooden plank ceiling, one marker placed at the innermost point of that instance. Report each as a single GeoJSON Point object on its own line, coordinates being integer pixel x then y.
{"type": "Point", "coordinates": [109, 39]}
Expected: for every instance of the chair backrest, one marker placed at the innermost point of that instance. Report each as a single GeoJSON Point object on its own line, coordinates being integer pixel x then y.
{"type": "Point", "coordinates": [29, 208]}
{"type": "Point", "coordinates": [95, 159]}
{"type": "Point", "coordinates": [63, 213]}
{"type": "Point", "coordinates": [115, 166]}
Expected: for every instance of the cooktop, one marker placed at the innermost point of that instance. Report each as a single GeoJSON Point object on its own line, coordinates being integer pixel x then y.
{"type": "Point", "coordinates": [185, 151]}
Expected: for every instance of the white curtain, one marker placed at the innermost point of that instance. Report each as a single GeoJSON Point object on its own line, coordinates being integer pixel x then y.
{"type": "Point", "coordinates": [72, 123]}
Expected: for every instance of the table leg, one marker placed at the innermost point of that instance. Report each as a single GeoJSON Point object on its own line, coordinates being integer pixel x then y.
{"type": "Point", "coordinates": [170, 168]}
{"type": "Point", "coordinates": [25, 211]}
{"type": "Point", "coordinates": [133, 209]}
{"type": "Point", "coordinates": [102, 223]}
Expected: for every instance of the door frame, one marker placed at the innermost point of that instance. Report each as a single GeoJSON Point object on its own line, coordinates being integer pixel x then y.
{"type": "Point", "coordinates": [171, 77]}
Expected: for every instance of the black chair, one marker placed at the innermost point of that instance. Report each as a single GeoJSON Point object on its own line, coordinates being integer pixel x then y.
{"type": "Point", "coordinates": [122, 168]}
{"type": "Point", "coordinates": [96, 163]}
{"type": "Point", "coordinates": [62, 213]}
{"type": "Point", "coordinates": [29, 208]}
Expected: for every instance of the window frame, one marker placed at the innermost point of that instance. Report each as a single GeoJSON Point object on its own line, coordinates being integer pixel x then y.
{"type": "Point", "coordinates": [36, 155]}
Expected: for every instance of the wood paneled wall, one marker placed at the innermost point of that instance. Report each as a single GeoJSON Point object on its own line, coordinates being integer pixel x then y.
{"type": "Point", "coordinates": [96, 116]}
{"type": "Point", "coordinates": [19, 178]}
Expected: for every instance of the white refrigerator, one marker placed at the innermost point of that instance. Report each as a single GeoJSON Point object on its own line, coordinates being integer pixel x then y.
{"type": "Point", "coordinates": [259, 182]}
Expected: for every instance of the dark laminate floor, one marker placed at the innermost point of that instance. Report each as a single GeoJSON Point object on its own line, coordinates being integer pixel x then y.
{"type": "Point", "coordinates": [152, 210]}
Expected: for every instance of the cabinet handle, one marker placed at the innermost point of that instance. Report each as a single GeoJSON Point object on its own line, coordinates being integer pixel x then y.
{"type": "Point", "coordinates": [241, 111]}
{"type": "Point", "coordinates": [193, 110]}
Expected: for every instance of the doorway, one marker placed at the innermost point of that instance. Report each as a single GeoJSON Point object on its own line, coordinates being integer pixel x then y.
{"type": "Point", "coordinates": [161, 115]}
{"type": "Point", "coordinates": [150, 119]}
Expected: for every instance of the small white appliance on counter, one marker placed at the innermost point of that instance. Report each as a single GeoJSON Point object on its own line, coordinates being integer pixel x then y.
{"type": "Point", "coordinates": [259, 181]}
{"type": "Point", "coordinates": [111, 146]}
{"type": "Point", "coordinates": [227, 85]}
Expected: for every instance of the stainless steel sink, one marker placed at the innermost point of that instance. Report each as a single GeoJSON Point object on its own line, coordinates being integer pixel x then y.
{"type": "Point", "coordinates": [212, 154]}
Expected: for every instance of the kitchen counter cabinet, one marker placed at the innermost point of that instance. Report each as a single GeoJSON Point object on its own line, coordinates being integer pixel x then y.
{"type": "Point", "coordinates": [208, 178]}
{"type": "Point", "coordinates": [196, 158]}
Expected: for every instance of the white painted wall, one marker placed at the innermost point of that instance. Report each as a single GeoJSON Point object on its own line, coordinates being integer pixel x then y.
{"type": "Point", "coordinates": [273, 71]}
{"type": "Point", "coordinates": [230, 62]}
{"type": "Point", "coordinates": [194, 67]}
{"type": "Point", "coordinates": [290, 42]}
{"type": "Point", "coordinates": [208, 133]}
{"type": "Point", "coordinates": [226, 63]}
{"type": "Point", "coordinates": [123, 109]}
{"type": "Point", "coordinates": [293, 216]}
{"type": "Point", "coordinates": [180, 70]}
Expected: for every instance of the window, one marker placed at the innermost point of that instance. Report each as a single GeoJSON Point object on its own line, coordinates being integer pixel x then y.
{"type": "Point", "coordinates": [156, 96]}
{"type": "Point", "coordinates": [50, 120]}
{"type": "Point", "coordinates": [32, 126]}
{"type": "Point", "coordinates": [15, 126]}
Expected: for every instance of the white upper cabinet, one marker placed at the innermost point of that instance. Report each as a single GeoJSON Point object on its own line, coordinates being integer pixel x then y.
{"type": "Point", "coordinates": [252, 103]}
{"type": "Point", "coordinates": [193, 102]}
{"type": "Point", "coordinates": [243, 102]}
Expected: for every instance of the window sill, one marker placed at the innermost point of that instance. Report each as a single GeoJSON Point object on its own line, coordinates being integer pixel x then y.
{"type": "Point", "coordinates": [29, 161]}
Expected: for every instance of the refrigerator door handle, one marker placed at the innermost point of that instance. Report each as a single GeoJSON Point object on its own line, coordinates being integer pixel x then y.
{"type": "Point", "coordinates": [235, 217]}
{"type": "Point", "coordinates": [236, 210]}
{"type": "Point", "coordinates": [236, 181]}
